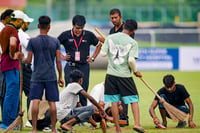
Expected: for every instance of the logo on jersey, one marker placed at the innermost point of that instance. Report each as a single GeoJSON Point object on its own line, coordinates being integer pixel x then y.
{"type": "Point", "coordinates": [118, 52]}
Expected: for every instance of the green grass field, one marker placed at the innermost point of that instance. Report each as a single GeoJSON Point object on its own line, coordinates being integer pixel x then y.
{"type": "Point", "coordinates": [154, 78]}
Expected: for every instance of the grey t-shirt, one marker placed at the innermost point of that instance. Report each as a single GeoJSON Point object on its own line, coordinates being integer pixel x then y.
{"type": "Point", "coordinates": [68, 100]}
{"type": "Point", "coordinates": [44, 51]}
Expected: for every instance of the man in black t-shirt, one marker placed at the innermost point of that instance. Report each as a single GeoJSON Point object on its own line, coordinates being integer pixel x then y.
{"type": "Point", "coordinates": [77, 42]}
{"type": "Point", "coordinates": [116, 19]}
{"type": "Point", "coordinates": [176, 95]}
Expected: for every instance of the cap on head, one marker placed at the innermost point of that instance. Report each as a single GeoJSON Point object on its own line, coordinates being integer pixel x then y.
{"type": "Point", "coordinates": [27, 19]}
{"type": "Point", "coordinates": [18, 14]}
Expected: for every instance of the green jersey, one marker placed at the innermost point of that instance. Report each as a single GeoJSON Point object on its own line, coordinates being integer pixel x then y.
{"type": "Point", "coordinates": [119, 47]}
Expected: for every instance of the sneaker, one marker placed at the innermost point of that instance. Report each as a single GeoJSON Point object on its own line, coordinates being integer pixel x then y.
{"type": "Point", "coordinates": [46, 129]}
{"type": "Point", "coordinates": [3, 126]}
{"type": "Point", "coordinates": [28, 124]}
{"type": "Point", "coordinates": [181, 124]}
{"type": "Point", "coordinates": [123, 123]}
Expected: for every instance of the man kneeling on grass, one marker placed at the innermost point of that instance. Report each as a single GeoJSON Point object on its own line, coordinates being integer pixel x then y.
{"type": "Point", "coordinates": [67, 111]}
{"type": "Point", "coordinates": [97, 93]}
{"type": "Point", "coordinates": [176, 95]}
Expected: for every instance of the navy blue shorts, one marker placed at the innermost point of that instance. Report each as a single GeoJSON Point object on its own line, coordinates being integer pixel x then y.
{"type": "Point", "coordinates": [50, 87]}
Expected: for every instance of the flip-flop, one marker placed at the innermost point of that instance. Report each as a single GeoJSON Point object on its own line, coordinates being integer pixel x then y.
{"type": "Point", "coordinates": [142, 130]}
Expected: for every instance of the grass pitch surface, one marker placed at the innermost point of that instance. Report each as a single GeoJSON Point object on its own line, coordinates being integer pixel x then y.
{"type": "Point", "coordinates": [191, 80]}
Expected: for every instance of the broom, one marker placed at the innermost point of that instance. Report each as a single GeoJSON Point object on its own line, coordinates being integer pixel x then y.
{"type": "Point", "coordinates": [103, 122]}
{"type": "Point", "coordinates": [18, 122]}
{"type": "Point", "coordinates": [99, 32]}
{"type": "Point", "coordinates": [174, 113]}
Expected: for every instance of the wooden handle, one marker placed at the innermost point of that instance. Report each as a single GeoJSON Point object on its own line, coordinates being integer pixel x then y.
{"type": "Point", "coordinates": [21, 83]}
{"type": "Point", "coordinates": [150, 87]}
{"type": "Point", "coordinates": [100, 33]}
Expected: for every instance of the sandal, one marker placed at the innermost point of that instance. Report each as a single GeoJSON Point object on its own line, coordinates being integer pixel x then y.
{"type": "Point", "coordinates": [142, 130]}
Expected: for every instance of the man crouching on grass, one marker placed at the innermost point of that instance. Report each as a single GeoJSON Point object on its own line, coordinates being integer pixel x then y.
{"type": "Point", "coordinates": [176, 95]}
{"type": "Point", "coordinates": [67, 111]}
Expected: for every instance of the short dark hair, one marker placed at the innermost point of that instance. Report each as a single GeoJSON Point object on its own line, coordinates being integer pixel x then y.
{"type": "Point", "coordinates": [76, 75]}
{"type": "Point", "coordinates": [6, 13]}
{"type": "Point", "coordinates": [168, 80]}
{"type": "Point", "coordinates": [44, 21]}
{"type": "Point", "coordinates": [79, 20]}
{"type": "Point", "coordinates": [130, 25]}
{"type": "Point", "coordinates": [115, 10]}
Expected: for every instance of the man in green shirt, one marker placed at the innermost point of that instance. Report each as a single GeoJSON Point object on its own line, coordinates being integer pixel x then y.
{"type": "Point", "coordinates": [122, 50]}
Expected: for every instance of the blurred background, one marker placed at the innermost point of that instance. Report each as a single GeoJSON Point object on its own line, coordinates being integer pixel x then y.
{"type": "Point", "coordinates": [164, 26]}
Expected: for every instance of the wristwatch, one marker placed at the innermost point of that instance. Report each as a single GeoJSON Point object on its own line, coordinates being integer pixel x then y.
{"type": "Point", "coordinates": [92, 58]}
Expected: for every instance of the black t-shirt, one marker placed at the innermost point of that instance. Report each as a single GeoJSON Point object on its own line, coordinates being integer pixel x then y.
{"type": "Point", "coordinates": [177, 97]}
{"type": "Point", "coordinates": [112, 30]}
{"type": "Point", "coordinates": [88, 39]}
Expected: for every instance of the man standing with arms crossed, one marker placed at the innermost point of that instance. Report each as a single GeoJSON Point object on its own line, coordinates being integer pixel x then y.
{"type": "Point", "coordinates": [45, 49]}
{"type": "Point", "coordinates": [122, 51]}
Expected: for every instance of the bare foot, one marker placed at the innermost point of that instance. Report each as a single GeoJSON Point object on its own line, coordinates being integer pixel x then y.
{"type": "Point", "coordinates": [91, 121]}
{"type": "Point", "coordinates": [54, 131]}
{"type": "Point", "coordinates": [66, 127]}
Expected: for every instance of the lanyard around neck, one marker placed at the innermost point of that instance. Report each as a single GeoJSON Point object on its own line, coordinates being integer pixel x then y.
{"type": "Point", "coordinates": [75, 40]}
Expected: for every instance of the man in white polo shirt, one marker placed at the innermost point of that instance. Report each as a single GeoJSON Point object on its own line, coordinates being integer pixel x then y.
{"type": "Point", "coordinates": [27, 71]}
